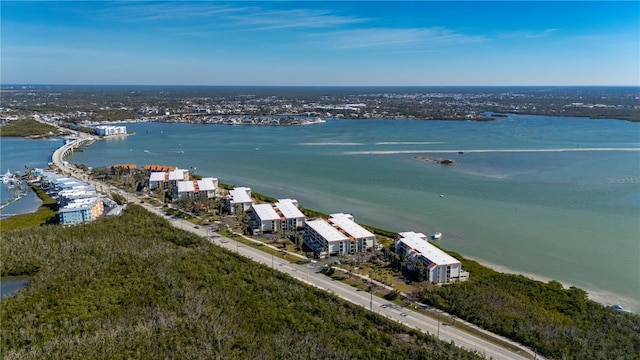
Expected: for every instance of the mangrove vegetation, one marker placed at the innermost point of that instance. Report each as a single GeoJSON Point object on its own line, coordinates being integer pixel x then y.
{"type": "Point", "coordinates": [133, 286]}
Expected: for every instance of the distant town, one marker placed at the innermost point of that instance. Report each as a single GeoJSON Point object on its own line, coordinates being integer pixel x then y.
{"type": "Point", "coordinates": [73, 106]}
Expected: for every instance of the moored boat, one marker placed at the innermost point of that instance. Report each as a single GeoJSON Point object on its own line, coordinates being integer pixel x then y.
{"type": "Point", "coordinates": [436, 236]}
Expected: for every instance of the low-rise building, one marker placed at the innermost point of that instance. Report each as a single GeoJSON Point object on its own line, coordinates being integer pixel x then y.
{"type": "Point", "coordinates": [293, 218]}
{"type": "Point", "coordinates": [203, 189]}
{"type": "Point", "coordinates": [283, 215]}
{"type": "Point", "coordinates": [440, 267]}
{"type": "Point", "coordinates": [338, 235]}
{"type": "Point", "coordinates": [158, 168]}
{"type": "Point", "coordinates": [123, 168]}
{"type": "Point", "coordinates": [78, 201]}
{"type": "Point", "coordinates": [79, 211]}
{"type": "Point", "coordinates": [263, 218]}
{"type": "Point", "coordinates": [166, 179]}
{"type": "Point", "coordinates": [109, 130]}
{"type": "Point", "coordinates": [239, 200]}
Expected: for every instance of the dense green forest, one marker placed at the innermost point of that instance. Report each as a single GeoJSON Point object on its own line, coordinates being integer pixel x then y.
{"type": "Point", "coordinates": [560, 323]}
{"type": "Point", "coordinates": [26, 127]}
{"type": "Point", "coordinates": [133, 286]}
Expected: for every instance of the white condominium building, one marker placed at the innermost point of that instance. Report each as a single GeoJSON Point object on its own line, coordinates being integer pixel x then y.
{"type": "Point", "coordinates": [338, 235]}
{"type": "Point", "coordinates": [203, 189]}
{"type": "Point", "coordinates": [108, 130]}
{"type": "Point", "coordinates": [283, 215]}
{"type": "Point", "coordinates": [163, 179]}
{"type": "Point", "coordinates": [440, 267]}
{"type": "Point", "coordinates": [239, 200]}
{"type": "Point", "coordinates": [263, 218]}
{"type": "Point", "coordinates": [293, 217]}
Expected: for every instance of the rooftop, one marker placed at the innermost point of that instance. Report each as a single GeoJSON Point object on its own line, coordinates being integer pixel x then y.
{"type": "Point", "coordinates": [289, 208]}
{"type": "Point", "coordinates": [346, 223]}
{"type": "Point", "coordinates": [420, 246]}
{"type": "Point", "coordinates": [240, 195]}
{"type": "Point", "coordinates": [324, 229]}
{"type": "Point", "coordinates": [265, 212]}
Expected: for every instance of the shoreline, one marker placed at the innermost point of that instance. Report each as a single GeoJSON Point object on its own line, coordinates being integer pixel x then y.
{"type": "Point", "coordinates": [603, 297]}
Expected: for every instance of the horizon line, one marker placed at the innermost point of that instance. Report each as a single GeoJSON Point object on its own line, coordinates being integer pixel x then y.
{"type": "Point", "coordinates": [317, 86]}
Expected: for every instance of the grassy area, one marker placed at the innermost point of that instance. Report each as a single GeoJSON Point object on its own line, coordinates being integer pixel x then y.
{"type": "Point", "coordinates": [26, 127]}
{"type": "Point", "coordinates": [47, 213]}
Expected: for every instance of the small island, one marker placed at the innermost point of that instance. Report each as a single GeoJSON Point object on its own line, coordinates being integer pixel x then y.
{"type": "Point", "coordinates": [441, 161]}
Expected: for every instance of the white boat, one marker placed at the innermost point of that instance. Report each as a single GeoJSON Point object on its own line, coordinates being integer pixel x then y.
{"type": "Point", "coordinates": [436, 236]}
{"type": "Point", "coordinates": [619, 308]}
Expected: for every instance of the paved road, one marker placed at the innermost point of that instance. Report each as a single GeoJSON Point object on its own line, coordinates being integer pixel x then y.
{"type": "Point", "coordinates": [308, 274]}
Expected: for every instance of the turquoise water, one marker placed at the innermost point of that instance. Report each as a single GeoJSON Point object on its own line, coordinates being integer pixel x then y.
{"type": "Point", "coordinates": [15, 155]}
{"type": "Point", "coordinates": [543, 196]}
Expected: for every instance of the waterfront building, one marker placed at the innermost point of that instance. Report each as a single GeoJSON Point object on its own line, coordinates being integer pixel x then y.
{"type": "Point", "coordinates": [66, 197]}
{"type": "Point", "coordinates": [203, 189]}
{"type": "Point", "coordinates": [239, 200]}
{"type": "Point", "coordinates": [123, 168]}
{"type": "Point", "coordinates": [79, 202]}
{"type": "Point", "coordinates": [293, 218]}
{"type": "Point", "coordinates": [440, 267]}
{"type": "Point", "coordinates": [166, 179]}
{"type": "Point", "coordinates": [158, 168]}
{"type": "Point", "coordinates": [283, 215]}
{"type": "Point", "coordinates": [109, 130]}
{"type": "Point", "coordinates": [337, 235]}
{"type": "Point", "coordinates": [79, 211]}
{"type": "Point", "coordinates": [263, 218]}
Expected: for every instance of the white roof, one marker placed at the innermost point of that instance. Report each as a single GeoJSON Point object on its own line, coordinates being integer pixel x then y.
{"type": "Point", "coordinates": [156, 176]}
{"type": "Point", "coordinates": [177, 174]}
{"type": "Point", "coordinates": [346, 223]}
{"type": "Point", "coordinates": [324, 229]}
{"type": "Point", "coordinates": [73, 193]}
{"type": "Point", "coordinates": [240, 195]}
{"type": "Point", "coordinates": [265, 212]}
{"type": "Point", "coordinates": [59, 180]}
{"type": "Point", "coordinates": [186, 186]}
{"type": "Point", "coordinates": [80, 204]}
{"type": "Point", "coordinates": [418, 242]}
{"type": "Point", "coordinates": [289, 209]}
{"type": "Point", "coordinates": [207, 184]}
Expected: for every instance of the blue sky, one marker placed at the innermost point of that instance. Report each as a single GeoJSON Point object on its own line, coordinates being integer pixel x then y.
{"type": "Point", "coordinates": [326, 43]}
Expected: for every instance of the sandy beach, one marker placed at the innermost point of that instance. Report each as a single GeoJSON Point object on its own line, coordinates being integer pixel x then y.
{"type": "Point", "coordinates": [603, 297]}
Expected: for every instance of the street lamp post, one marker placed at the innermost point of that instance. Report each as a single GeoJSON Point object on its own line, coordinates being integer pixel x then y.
{"type": "Point", "coordinates": [371, 288]}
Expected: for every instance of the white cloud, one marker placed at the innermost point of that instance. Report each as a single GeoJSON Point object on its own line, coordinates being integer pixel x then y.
{"type": "Point", "coordinates": [288, 19]}
{"type": "Point", "coordinates": [527, 34]}
{"type": "Point", "coordinates": [392, 38]}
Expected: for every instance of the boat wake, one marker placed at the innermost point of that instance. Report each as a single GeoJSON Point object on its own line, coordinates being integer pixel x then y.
{"type": "Point", "coordinates": [410, 143]}
{"type": "Point", "coordinates": [391, 152]}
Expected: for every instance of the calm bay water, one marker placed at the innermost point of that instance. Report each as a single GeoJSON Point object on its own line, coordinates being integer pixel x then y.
{"type": "Point", "coordinates": [543, 196]}
{"type": "Point", "coordinates": [15, 155]}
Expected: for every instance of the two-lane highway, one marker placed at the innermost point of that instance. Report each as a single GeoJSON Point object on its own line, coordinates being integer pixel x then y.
{"type": "Point", "coordinates": [309, 275]}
